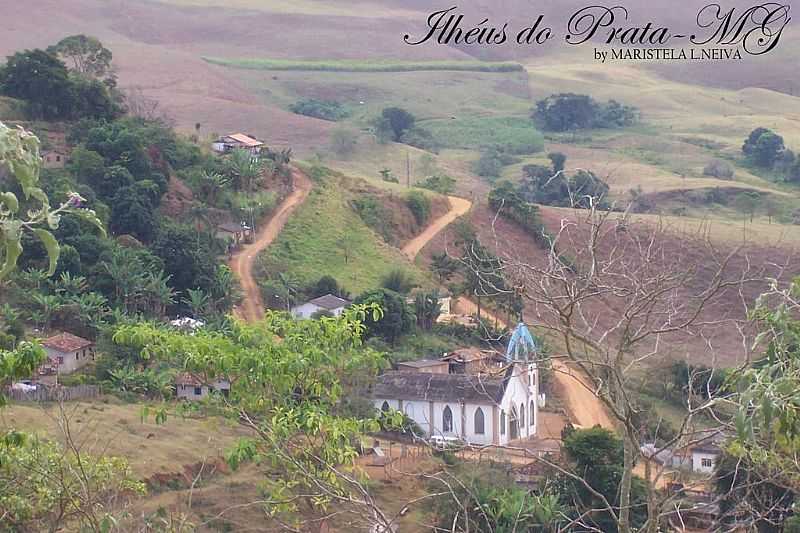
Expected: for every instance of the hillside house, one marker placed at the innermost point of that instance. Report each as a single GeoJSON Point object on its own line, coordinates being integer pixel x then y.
{"type": "Point", "coordinates": [329, 303]}
{"type": "Point", "coordinates": [473, 361]}
{"type": "Point", "coordinates": [192, 387]}
{"type": "Point", "coordinates": [486, 408]}
{"type": "Point", "coordinates": [67, 352]}
{"type": "Point", "coordinates": [56, 158]}
{"type": "Point", "coordinates": [237, 141]}
{"type": "Point", "coordinates": [705, 456]}
{"type": "Point", "coordinates": [234, 233]}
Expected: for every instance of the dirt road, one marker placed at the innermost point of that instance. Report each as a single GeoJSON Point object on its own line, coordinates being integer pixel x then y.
{"type": "Point", "coordinates": [458, 207]}
{"type": "Point", "coordinates": [252, 307]}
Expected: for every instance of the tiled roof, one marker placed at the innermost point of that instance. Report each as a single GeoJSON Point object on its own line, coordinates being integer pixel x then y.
{"type": "Point", "coordinates": [399, 385]}
{"type": "Point", "coordinates": [330, 302]}
{"type": "Point", "coordinates": [66, 342]}
{"type": "Point", "coordinates": [245, 140]}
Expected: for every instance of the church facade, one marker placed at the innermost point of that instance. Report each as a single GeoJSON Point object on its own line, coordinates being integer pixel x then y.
{"type": "Point", "coordinates": [485, 409]}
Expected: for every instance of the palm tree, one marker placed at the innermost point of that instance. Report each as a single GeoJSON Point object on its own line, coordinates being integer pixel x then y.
{"type": "Point", "coordinates": [158, 294]}
{"type": "Point", "coordinates": [245, 169]}
{"type": "Point", "coordinates": [126, 277]}
{"type": "Point", "coordinates": [48, 305]}
{"type": "Point", "coordinates": [69, 285]}
{"type": "Point", "coordinates": [290, 285]}
{"type": "Point", "coordinates": [92, 309]}
{"type": "Point", "coordinates": [227, 290]}
{"type": "Point", "coordinates": [212, 183]}
{"type": "Point", "coordinates": [198, 301]}
{"type": "Point", "coordinates": [33, 278]}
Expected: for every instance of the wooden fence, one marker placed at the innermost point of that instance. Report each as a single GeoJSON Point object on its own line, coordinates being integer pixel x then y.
{"type": "Point", "coordinates": [54, 394]}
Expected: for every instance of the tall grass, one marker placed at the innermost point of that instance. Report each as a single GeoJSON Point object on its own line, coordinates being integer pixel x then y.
{"type": "Point", "coordinates": [363, 65]}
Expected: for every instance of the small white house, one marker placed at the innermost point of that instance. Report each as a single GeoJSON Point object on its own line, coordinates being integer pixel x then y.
{"type": "Point", "coordinates": [68, 352]}
{"type": "Point", "coordinates": [237, 141]}
{"type": "Point", "coordinates": [324, 304]}
{"type": "Point", "coordinates": [705, 457]}
{"type": "Point", "coordinates": [476, 408]}
{"type": "Point", "coordinates": [192, 387]}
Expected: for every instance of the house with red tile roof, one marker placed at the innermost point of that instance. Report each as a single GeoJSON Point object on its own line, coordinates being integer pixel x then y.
{"type": "Point", "coordinates": [67, 352]}
{"type": "Point", "coordinates": [236, 141]}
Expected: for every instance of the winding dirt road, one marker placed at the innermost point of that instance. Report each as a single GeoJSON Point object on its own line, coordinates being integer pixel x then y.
{"type": "Point", "coordinates": [584, 407]}
{"type": "Point", "coordinates": [458, 207]}
{"type": "Point", "coordinates": [252, 306]}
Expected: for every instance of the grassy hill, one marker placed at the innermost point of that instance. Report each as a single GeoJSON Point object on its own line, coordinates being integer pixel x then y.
{"type": "Point", "coordinates": [325, 236]}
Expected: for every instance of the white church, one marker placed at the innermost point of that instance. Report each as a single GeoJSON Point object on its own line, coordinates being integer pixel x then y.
{"type": "Point", "coordinates": [492, 403]}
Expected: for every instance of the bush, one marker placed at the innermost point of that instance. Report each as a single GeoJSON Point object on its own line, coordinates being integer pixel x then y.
{"type": "Point", "coordinates": [719, 169]}
{"type": "Point", "coordinates": [441, 183]}
{"type": "Point", "coordinates": [569, 111]}
{"type": "Point", "coordinates": [420, 138]}
{"type": "Point", "coordinates": [420, 206]}
{"type": "Point", "coordinates": [322, 109]}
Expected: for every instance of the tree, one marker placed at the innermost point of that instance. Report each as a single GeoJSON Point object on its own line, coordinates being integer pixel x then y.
{"type": "Point", "coordinates": [132, 214]}
{"type": "Point", "coordinates": [615, 306]}
{"type": "Point", "coordinates": [427, 309]}
{"type": "Point", "coordinates": [396, 319]}
{"type": "Point", "coordinates": [443, 266]}
{"type": "Point", "coordinates": [88, 55]}
{"type": "Point", "coordinates": [420, 205]}
{"type": "Point", "coordinates": [244, 169]}
{"type": "Point", "coordinates": [558, 160]}
{"type": "Point", "coordinates": [747, 203]}
{"type": "Point", "coordinates": [399, 281]}
{"type": "Point", "coordinates": [40, 79]}
{"type": "Point", "coordinates": [566, 111]}
{"type": "Point", "coordinates": [395, 121]}
{"type": "Point", "coordinates": [764, 147]}
{"type": "Point", "coordinates": [289, 380]}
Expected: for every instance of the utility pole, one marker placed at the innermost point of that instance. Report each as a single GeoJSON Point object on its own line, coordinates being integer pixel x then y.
{"type": "Point", "coordinates": [408, 171]}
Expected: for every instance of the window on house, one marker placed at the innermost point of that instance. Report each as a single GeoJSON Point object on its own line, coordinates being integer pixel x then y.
{"type": "Point", "coordinates": [447, 420]}
{"type": "Point", "coordinates": [532, 415]}
{"type": "Point", "coordinates": [385, 407]}
{"type": "Point", "coordinates": [198, 391]}
{"type": "Point", "coordinates": [521, 416]}
{"type": "Point", "coordinates": [502, 422]}
{"type": "Point", "coordinates": [706, 462]}
{"type": "Point", "coordinates": [58, 158]}
{"type": "Point", "coordinates": [60, 359]}
{"type": "Point", "coordinates": [479, 423]}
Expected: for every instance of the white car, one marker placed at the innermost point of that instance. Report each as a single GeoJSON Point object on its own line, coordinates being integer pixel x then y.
{"type": "Point", "coordinates": [441, 442]}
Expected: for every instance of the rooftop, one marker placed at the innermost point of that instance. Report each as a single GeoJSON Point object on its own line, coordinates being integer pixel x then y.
{"type": "Point", "coordinates": [329, 301]}
{"type": "Point", "coordinates": [422, 363]}
{"type": "Point", "coordinates": [441, 387]}
{"type": "Point", "coordinates": [66, 342]}
{"type": "Point", "coordinates": [246, 140]}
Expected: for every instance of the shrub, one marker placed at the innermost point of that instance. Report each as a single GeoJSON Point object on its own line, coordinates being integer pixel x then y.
{"type": "Point", "coordinates": [719, 169]}
{"type": "Point", "coordinates": [420, 206]}
{"type": "Point", "coordinates": [441, 183]}
{"type": "Point", "coordinates": [322, 109]}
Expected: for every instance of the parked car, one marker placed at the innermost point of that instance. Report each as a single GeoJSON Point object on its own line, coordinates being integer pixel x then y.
{"type": "Point", "coordinates": [441, 442]}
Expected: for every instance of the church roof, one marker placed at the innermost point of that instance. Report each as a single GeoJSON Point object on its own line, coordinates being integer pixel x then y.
{"type": "Point", "coordinates": [472, 388]}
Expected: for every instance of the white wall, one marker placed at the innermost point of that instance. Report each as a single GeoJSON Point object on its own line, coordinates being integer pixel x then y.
{"type": "Point", "coordinates": [519, 393]}
{"type": "Point", "coordinates": [488, 424]}
{"type": "Point", "coordinates": [697, 461]}
{"type": "Point", "coordinates": [72, 360]}
{"type": "Point", "coordinates": [419, 412]}
{"type": "Point", "coordinates": [307, 310]}
{"type": "Point", "coordinates": [187, 392]}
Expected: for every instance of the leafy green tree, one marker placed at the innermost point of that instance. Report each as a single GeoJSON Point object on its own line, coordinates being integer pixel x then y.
{"type": "Point", "coordinates": [558, 161]}
{"type": "Point", "coordinates": [87, 54]}
{"type": "Point", "coordinates": [289, 379]}
{"type": "Point", "coordinates": [427, 309]}
{"type": "Point", "coordinates": [566, 111]}
{"type": "Point", "coordinates": [764, 147]}
{"type": "Point", "coordinates": [441, 183]}
{"type": "Point", "coordinates": [397, 317]}
{"type": "Point", "coordinates": [132, 214]}
{"type": "Point", "coordinates": [394, 122]}
{"type": "Point", "coordinates": [41, 80]}
{"type": "Point", "coordinates": [399, 281]}
{"type": "Point", "coordinates": [597, 457]}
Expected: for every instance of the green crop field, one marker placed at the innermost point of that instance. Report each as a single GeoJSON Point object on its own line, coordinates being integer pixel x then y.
{"type": "Point", "coordinates": [365, 65]}
{"type": "Point", "coordinates": [515, 133]}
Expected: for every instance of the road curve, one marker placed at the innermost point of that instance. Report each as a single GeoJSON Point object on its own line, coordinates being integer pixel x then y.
{"type": "Point", "coordinates": [252, 306]}
{"type": "Point", "coordinates": [458, 207]}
